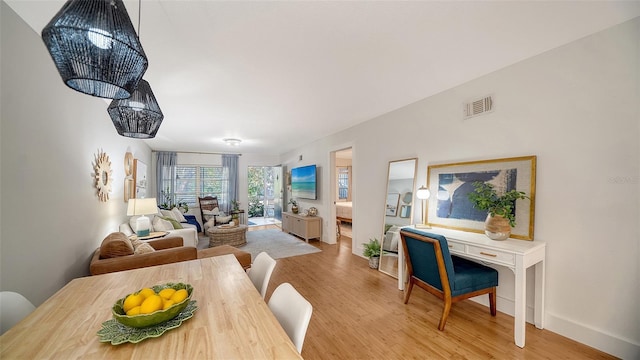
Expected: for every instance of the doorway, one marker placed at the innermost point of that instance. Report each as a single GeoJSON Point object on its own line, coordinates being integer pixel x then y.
{"type": "Point", "coordinates": [343, 193]}
{"type": "Point", "coordinates": [265, 193]}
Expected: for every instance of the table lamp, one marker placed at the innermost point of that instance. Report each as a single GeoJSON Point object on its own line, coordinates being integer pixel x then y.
{"type": "Point", "coordinates": [142, 207]}
{"type": "Point", "coordinates": [423, 194]}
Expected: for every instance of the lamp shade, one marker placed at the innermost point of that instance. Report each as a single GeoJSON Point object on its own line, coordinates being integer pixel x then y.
{"type": "Point", "coordinates": [95, 48]}
{"type": "Point", "coordinates": [142, 207]}
{"type": "Point", "coordinates": [138, 116]}
{"type": "Point", "coordinates": [423, 193]}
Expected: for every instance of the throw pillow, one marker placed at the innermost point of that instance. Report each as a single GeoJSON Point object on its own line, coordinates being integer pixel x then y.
{"type": "Point", "coordinates": [141, 247]}
{"type": "Point", "coordinates": [215, 211]}
{"type": "Point", "coordinates": [169, 214]}
{"type": "Point", "coordinates": [177, 214]}
{"type": "Point", "coordinates": [223, 219]}
{"type": "Point", "coordinates": [160, 224]}
{"type": "Point", "coordinates": [114, 245]}
{"type": "Point", "coordinates": [174, 222]}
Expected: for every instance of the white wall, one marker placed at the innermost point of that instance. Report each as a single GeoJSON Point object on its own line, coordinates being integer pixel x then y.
{"type": "Point", "coordinates": [576, 108]}
{"type": "Point", "coordinates": [51, 220]}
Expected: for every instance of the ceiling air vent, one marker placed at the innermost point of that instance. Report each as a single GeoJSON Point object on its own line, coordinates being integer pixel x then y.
{"type": "Point", "coordinates": [478, 107]}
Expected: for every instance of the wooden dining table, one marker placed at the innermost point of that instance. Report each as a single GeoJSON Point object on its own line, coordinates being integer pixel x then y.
{"type": "Point", "coordinates": [232, 321]}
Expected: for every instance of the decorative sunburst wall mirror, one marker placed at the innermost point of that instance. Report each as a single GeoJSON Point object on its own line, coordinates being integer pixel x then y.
{"type": "Point", "coordinates": [103, 175]}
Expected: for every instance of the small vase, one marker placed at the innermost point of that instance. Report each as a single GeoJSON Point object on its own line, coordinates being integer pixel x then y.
{"type": "Point", "coordinates": [294, 209]}
{"type": "Point", "coordinates": [497, 227]}
{"type": "Point", "coordinates": [374, 261]}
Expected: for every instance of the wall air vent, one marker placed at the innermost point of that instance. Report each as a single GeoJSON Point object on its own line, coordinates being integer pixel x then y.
{"type": "Point", "coordinates": [478, 107]}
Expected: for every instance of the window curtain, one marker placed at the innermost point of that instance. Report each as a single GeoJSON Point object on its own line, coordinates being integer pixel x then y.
{"type": "Point", "coordinates": [165, 176]}
{"type": "Point", "coordinates": [230, 166]}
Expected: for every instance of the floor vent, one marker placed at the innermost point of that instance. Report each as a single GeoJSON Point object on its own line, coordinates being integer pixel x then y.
{"type": "Point", "coordinates": [478, 107]}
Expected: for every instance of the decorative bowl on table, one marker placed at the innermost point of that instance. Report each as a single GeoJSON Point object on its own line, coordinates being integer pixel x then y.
{"type": "Point", "coordinates": [156, 317]}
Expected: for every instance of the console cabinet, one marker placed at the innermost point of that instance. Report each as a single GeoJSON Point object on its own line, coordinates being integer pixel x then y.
{"type": "Point", "coordinates": [306, 227]}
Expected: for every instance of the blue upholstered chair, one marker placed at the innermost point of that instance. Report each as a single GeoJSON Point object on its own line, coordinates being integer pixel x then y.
{"type": "Point", "coordinates": [450, 278]}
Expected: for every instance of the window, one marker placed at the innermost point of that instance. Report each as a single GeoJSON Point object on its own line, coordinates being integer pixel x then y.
{"type": "Point", "coordinates": [343, 183]}
{"type": "Point", "coordinates": [186, 184]}
{"type": "Point", "coordinates": [199, 181]}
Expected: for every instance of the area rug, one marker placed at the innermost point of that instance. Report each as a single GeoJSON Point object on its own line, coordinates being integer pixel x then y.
{"type": "Point", "coordinates": [272, 241]}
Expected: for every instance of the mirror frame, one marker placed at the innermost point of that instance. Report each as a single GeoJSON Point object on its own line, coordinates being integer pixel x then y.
{"type": "Point", "coordinates": [409, 219]}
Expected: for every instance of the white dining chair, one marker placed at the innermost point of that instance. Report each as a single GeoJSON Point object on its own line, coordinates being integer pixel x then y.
{"type": "Point", "coordinates": [13, 308]}
{"type": "Point", "coordinates": [293, 312]}
{"type": "Point", "coordinates": [260, 272]}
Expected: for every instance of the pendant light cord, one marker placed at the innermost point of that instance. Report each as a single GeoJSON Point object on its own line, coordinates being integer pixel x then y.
{"type": "Point", "coordinates": [139, 14]}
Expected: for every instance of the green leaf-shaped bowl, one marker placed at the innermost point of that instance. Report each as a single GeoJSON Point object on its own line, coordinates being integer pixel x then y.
{"type": "Point", "coordinates": [157, 317]}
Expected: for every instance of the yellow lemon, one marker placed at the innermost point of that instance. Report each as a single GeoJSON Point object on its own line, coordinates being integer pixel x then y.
{"type": "Point", "coordinates": [132, 301]}
{"type": "Point", "coordinates": [134, 311]}
{"type": "Point", "coordinates": [146, 292]}
{"type": "Point", "coordinates": [151, 304]}
{"type": "Point", "coordinates": [179, 296]}
{"type": "Point", "coordinates": [167, 304]}
{"type": "Point", "coordinates": [166, 293]}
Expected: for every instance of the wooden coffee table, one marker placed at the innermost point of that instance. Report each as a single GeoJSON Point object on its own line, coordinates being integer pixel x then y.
{"type": "Point", "coordinates": [226, 235]}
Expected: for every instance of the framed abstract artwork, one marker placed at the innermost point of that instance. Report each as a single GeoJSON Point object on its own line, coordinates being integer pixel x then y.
{"type": "Point", "coordinates": [391, 208]}
{"type": "Point", "coordinates": [451, 183]}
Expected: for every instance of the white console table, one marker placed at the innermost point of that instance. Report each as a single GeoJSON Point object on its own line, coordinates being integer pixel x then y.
{"type": "Point", "coordinates": [517, 255]}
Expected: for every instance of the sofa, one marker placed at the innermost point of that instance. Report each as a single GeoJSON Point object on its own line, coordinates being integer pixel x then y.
{"type": "Point", "coordinates": [171, 221]}
{"type": "Point", "coordinates": [118, 252]}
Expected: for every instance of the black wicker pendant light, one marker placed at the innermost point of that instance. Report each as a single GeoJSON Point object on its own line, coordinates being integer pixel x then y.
{"type": "Point", "coordinates": [138, 116]}
{"type": "Point", "coordinates": [95, 48]}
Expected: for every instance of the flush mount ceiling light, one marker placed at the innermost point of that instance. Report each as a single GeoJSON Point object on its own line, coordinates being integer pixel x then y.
{"type": "Point", "coordinates": [138, 116]}
{"type": "Point", "coordinates": [232, 142]}
{"type": "Point", "coordinates": [95, 48]}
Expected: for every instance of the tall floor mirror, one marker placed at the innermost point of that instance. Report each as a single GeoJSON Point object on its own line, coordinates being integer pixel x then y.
{"type": "Point", "coordinates": [398, 212]}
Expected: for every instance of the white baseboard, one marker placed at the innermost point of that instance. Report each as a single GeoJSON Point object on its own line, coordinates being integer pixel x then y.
{"type": "Point", "coordinates": [596, 338]}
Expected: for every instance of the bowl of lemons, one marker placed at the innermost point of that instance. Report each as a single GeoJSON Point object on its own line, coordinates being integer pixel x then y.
{"type": "Point", "coordinates": [152, 305]}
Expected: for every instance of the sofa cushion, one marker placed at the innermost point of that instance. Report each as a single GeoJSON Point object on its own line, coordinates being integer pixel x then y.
{"type": "Point", "coordinates": [177, 214]}
{"type": "Point", "coordinates": [125, 228]}
{"type": "Point", "coordinates": [114, 245]}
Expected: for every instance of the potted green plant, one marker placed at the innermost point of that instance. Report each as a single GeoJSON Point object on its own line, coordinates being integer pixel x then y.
{"type": "Point", "coordinates": [294, 206]}
{"type": "Point", "coordinates": [372, 251]}
{"type": "Point", "coordinates": [500, 208]}
{"type": "Point", "coordinates": [235, 208]}
{"type": "Point", "coordinates": [184, 206]}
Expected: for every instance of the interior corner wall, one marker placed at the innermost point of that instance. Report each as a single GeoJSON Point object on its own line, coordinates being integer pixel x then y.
{"type": "Point", "coordinates": [577, 108]}
{"type": "Point", "coordinates": [51, 220]}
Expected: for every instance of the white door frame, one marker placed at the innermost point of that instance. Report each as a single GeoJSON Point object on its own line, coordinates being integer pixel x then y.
{"type": "Point", "coordinates": [333, 191]}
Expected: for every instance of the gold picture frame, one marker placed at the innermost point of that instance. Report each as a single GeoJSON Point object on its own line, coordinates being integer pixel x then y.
{"type": "Point", "coordinates": [449, 184]}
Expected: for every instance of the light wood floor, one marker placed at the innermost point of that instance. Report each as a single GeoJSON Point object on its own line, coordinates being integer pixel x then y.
{"type": "Point", "coordinates": [358, 313]}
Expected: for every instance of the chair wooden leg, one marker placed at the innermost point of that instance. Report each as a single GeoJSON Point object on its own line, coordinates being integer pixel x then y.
{"type": "Point", "coordinates": [492, 302]}
{"type": "Point", "coordinates": [445, 314]}
{"type": "Point", "coordinates": [407, 291]}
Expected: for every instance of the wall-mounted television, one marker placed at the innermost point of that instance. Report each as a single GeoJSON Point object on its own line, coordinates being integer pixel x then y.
{"type": "Point", "coordinates": [304, 182]}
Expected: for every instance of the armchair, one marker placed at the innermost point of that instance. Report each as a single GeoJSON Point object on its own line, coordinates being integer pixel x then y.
{"type": "Point", "coordinates": [210, 209]}
{"type": "Point", "coordinates": [450, 278]}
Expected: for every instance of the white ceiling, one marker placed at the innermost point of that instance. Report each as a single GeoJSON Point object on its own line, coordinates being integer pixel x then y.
{"type": "Point", "coordinates": [281, 74]}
